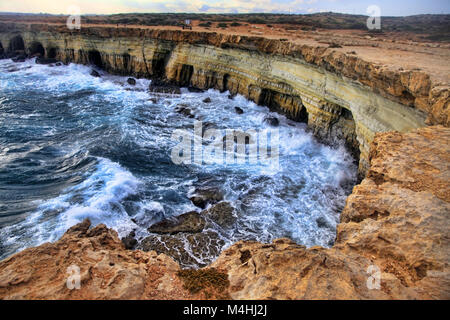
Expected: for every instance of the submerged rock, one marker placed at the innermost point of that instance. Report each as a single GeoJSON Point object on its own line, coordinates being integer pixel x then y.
{"type": "Point", "coordinates": [204, 196]}
{"type": "Point", "coordinates": [191, 222]}
{"type": "Point", "coordinates": [185, 110]}
{"type": "Point", "coordinates": [129, 241]}
{"type": "Point", "coordinates": [193, 89]}
{"type": "Point", "coordinates": [131, 81]}
{"type": "Point", "coordinates": [159, 86]}
{"type": "Point", "coordinates": [40, 60]}
{"type": "Point", "coordinates": [272, 121]}
{"type": "Point", "coordinates": [207, 100]}
{"type": "Point", "coordinates": [238, 110]}
{"type": "Point", "coordinates": [19, 58]}
{"type": "Point", "coordinates": [94, 73]}
{"type": "Point", "coordinates": [221, 213]}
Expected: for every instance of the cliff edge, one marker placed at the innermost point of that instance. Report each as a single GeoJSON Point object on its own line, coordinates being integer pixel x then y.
{"type": "Point", "coordinates": [392, 243]}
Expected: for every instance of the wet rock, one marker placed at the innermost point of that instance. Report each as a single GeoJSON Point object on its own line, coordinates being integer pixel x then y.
{"type": "Point", "coordinates": [272, 121]}
{"type": "Point", "coordinates": [193, 89]}
{"type": "Point", "coordinates": [190, 222]}
{"type": "Point", "coordinates": [149, 215]}
{"type": "Point", "coordinates": [19, 58]}
{"type": "Point", "coordinates": [323, 223]}
{"type": "Point", "coordinates": [184, 110]}
{"type": "Point", "coordinates": [58, 64]}
{"type": "Point", "coordinates": [40, 60]}
{"type": "Point", "coordinates": [94, 73]}
{"type": "Point", "coordinates": [131, 81]}
{"type": "Point", "coordinates": [204, 196]}
{"type": "Point", "coordinates": [205, 245]}
{"type": "Point", "coordinates": [159, 86]}
{"type": "Point", "coordinates": [238, 110]}
{"type": "Point", "coordinates": [129, 241]}
{"type": "Point", "coordinates": [207, 100]}
{"type": "Point", "coordinates": [221, 213]}
{"type": "Point", "coordinates": [231, 96]}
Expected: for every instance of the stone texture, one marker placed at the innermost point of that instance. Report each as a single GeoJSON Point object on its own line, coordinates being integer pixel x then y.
{"type": "Point", "coordinates": [191, 222]}
{"type": "Point", "coordinates": [397, 219]}
{"type": "Point", "coordinates": [107, 270]}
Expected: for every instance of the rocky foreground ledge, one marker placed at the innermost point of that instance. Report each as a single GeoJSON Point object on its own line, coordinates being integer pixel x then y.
{"type": "Point", "coordinates": [395, 222]}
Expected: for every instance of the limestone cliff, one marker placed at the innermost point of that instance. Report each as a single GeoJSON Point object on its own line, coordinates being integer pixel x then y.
{"type": "Point", "coordinates": [338, 95]}
{"type": "Point", "coordinates": [395, 228]}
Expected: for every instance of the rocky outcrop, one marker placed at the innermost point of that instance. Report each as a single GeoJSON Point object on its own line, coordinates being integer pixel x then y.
{"type": "Point", "coordinates": [393, 242]}
{"type": "Point", "coordinates": [338, 95]}
{"type": "Point", "coordinates": [396, 222]}
{"type": "Point", "coordinates": [105, 269]}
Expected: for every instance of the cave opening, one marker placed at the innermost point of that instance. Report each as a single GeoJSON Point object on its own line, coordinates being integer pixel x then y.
{"type": "Point", "coordinates": [126, 58]}
{"type": "Point", "coordinates": [51, 53]}
{"type": "Point", "coordinates": [185, 74]}
{"type": "Point", "coordinates": [16, 44]}
{"type": "Point", "coordinates": [226, 78]}
{"type": "Point", "coordinates": [36, 49]}
{"type": "Point", "coordinates": [95, 58]}
{"type": "Point", "coordinates": [1, 49]}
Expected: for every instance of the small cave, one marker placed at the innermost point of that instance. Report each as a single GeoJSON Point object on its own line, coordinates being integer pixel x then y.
{"type": "Point", "coordinates": [95, 58]}
{"type": "Point", "coordinates": [16, 44]}
{"type": "Point", "coordinates": [185, 74]}
{"type": "Point", "coordinates": [52, 53]}
{"type": "Point", "coordinates": [344, 128]}
{"type": "Point", "coordinates": [126, 58]}
{"type": "Point", "coordinates": [36, 49]}
{"type": "Point", "coordinates": [159, 63]}
{"type": "Point", "coordinates": [289, 105]}
{"type": "Point", "coordinates": [225, 81]}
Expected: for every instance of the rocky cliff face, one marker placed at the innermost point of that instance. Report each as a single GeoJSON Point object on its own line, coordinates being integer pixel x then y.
{"type": "Point", "coordinates": [393, 242]}
{"type": "Point", "coordinates": [394, 226]}
{"type": "Point", "coordinates": [396, 222]}
{"type": "Point", "coordinates": [338, 95]}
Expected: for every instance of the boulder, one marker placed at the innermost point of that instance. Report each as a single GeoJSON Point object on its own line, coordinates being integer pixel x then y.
{"type": "Point", "coordinates": [272, 121]}
{"type": "Point", "coordinates": [204, 196]}
{"type": "Point", "coordinates": [207, 100]}
{"type": "Point", "coordinates": [131, 81]}
{"type": "Point", "coordinates": [221, 213]}
{"type": "Point", "coordinates": [238, 110]}
{"type": "Point", "coordinates": [159, 86]}
{"type": "Point", "coordinates": [190, 222]}
{"type": "Point", "coordinates": [184, 109]}
{"type": "Point", "coordinates": [193, 89]}
{"type": "Point", "coordinates": [94, 73]}
{"type": "Point", "coordinates": [129, 241]}
{"type": "Point", "coordinates": [40, 60]}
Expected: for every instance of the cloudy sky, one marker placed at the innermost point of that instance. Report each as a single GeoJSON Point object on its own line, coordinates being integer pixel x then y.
{"type": "Point", "coordinates": [388, 7]}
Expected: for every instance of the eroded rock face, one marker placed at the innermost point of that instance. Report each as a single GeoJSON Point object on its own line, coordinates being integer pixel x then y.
{"type": "Point", "coordinates": [336, 94]}
{"type": "Point", "coordinates": [397, 220]}
{"type": "Point", "coordinates": [107, 270]}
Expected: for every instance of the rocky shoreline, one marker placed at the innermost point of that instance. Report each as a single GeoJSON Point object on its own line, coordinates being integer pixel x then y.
{"type": "Point", "coordinates": [336, 94]}
{"type": "Point", "coordinates": [395, 221]}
